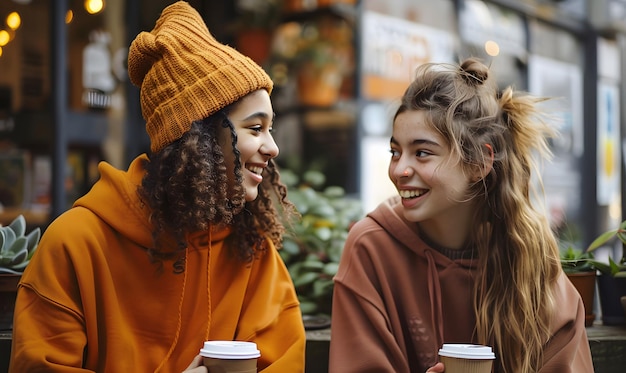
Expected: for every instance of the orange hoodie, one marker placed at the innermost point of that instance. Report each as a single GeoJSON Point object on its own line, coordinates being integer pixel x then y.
{"type": "Point", "coordinates": [91, 299]}
{"type": "Point", "coordinates": [397, 299]}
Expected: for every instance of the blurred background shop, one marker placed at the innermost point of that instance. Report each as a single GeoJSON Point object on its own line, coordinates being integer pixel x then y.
{"type": "Point", "coordinates": [339, 67]}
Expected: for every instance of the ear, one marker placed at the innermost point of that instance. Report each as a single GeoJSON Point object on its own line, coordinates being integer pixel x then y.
{"type": "Point", "coordinates": [482, 172]}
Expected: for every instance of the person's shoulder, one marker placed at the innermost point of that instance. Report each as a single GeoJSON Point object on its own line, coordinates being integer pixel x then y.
{"type": "Point", "coordinates": [75, 224]}
{"type": "Point", "coordinates": [70, 217]}
{"type": "Point", "coordinates": [567, 298]}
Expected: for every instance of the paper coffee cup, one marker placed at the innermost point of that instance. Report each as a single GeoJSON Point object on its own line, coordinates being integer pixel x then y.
{"type": "Point", "coordinates": [230, 356]}
{"type": "Point", "coordinates": [466, 358]}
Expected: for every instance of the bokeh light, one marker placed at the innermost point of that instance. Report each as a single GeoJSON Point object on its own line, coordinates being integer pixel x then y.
{"type": "Point", "coordinates": [69, 16]}
{"type": "Point", "coordinates": [94, 6]}
{"type": "Point", "coordinates": [14, 20]}
{"type": "Point", "coordinates": [4, 38]}
{"type": "Point", "coordinates": [492, 48]}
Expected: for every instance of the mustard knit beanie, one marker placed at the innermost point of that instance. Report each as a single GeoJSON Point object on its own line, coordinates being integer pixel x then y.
{"type": "Point", "coordinates": [185, 75]}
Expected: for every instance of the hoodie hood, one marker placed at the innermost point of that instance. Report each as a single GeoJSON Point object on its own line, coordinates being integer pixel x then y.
{"type": "Point", "coordinates": [115, 195]}
{"type": "Point", "coordinates": [389, 215]}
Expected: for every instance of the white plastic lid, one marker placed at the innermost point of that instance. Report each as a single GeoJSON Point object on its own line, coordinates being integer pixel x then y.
{"type": "Point", "coordinates": [467, 351]}
{"type": "Point", "coordinates": [230, 350]}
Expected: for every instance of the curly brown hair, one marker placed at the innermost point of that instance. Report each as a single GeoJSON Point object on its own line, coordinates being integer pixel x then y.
{"type": "Point", "coordinates": [186, 185]}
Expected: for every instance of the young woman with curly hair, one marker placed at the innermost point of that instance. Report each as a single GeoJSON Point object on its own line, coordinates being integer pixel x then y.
{"type": "Point", "coordinates": [180, 248]}
{"type": "Point", "coordinates": [462, 254]}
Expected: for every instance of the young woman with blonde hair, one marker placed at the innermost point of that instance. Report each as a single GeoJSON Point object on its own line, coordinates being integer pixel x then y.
{"type": "Point", "coordinates": [461, 255]}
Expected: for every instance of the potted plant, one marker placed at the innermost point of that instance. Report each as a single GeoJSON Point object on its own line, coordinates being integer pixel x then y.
{"type": "Point", "coordinates": [256, 21]}
{"type": "Point", "coordinates": [16, 250]}
{"type": "Point", "coordinates": [313, 245]}
{"type": "Point", "coordinates": [317, 55]}
{"type": "Point", "coordinates": [579, 267]}
{"type": "Point", "coordinates": [612, 277]}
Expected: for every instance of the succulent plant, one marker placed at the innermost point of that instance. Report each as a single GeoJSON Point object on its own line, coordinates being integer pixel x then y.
{"type": "Point", "coordinates": [17, 247]}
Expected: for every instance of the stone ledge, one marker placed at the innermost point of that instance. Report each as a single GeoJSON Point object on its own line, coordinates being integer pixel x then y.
{"type": "Point", "coordinates": [607, 343]}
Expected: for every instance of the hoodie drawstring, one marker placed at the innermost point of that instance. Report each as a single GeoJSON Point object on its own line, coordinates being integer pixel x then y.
{"type": "Point", "coordinates": [434, 289]}
{"type": "Point", "coordinates": [208, 290]}
{"type": "Point", "coordinates": [180, 319]}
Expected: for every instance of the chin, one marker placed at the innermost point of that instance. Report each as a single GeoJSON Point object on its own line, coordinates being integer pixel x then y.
{"type": "Point", "coordinates": [251, 195]}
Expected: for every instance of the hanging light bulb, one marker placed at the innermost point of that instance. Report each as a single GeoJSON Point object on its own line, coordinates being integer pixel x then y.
{"type": "Point", "coordinates": [14, 20]}
{"type": "Point", "coordinates": [94, 6]}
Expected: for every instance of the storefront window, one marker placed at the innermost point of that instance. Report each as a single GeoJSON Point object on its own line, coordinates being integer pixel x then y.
{"type": "Point", "coordinates": [555, 70]}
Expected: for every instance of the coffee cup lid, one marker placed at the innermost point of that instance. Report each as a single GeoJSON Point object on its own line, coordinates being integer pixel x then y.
{"type": "Point", "coordinates": [466, 351]}
{"type": "Point", "coordinates": [230, 350]}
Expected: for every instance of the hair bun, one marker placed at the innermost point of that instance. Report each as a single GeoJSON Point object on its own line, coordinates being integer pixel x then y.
{"type": "Point", "coordinates": [474, 72]}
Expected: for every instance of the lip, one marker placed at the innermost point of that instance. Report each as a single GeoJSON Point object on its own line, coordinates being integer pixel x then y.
{"type": "Point", "coordinates": [411, 202]}
{"type": "Point", "coordinates": [257, 177]}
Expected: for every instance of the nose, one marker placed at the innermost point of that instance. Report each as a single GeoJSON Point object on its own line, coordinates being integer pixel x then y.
{"type": "Point", "coordinates": [400, 169]}
{"type": "Point", "coordinates": [269, 147]}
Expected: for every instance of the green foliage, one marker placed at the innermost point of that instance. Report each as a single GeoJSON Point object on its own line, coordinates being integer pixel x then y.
{"type": "Point", "coordinates": [575, 260]}
{"type": "Point", "coordinates": [313, 245]}
{"type": "Point", "coordinates": [17, 247]}
{"type": "Point", "coordinates": [612, 268]}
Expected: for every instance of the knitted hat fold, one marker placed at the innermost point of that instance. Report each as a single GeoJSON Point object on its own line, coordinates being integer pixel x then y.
{"type": "Point", "coordinates": [185, 74]}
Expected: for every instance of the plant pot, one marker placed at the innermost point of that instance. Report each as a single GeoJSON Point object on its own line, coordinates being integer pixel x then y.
{"type": "Point", "coordinates": [255, 43]}
{"type": "Point", "coordinates": [8, 293]}
{"type": "Point", "coordinates": [585, 283]}
{"type": "Point", "coordinates": [319, 86]}
{"type": "Point", "coordinates": [610, 290]}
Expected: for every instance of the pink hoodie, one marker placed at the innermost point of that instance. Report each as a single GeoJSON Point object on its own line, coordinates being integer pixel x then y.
{"type": "Point", "coordinates": [397, 300]}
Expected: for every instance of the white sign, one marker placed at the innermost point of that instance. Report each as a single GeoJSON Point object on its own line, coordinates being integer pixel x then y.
{"type": "Point", "coordinates": [393, 47]}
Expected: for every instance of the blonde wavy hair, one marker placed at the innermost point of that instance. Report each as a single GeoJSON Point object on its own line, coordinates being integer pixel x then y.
{"type": "Point", "coordinates": [517, 250]}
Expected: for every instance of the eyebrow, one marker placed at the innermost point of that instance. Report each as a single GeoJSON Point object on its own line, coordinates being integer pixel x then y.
{"type": "Point", "coordinates": [415, 142]}
{"type": "Point", "coordinates": [259, 115]}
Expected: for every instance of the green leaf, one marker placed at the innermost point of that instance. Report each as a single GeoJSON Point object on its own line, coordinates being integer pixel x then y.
{"type": "Point", "coordinates": [8, 238]}
{"type": "Point", "coordinates": [334, 192]}
{"type": "Point", "coordinates": [602, 239]}
{"type": "Point", "coordinates": [313, 264]}
{"type": "Point", "coordinates": [19, 245]}
{"type": "Point", "coordinates": [6, 258]}
{"type": "Point", "coordinates": [305, 279]}
{"type": "Point", "coordinates": [331, 268]}
{"type": "Point", "coordinates": [615, 268]}
{"type": "Point", "coordinates": [290, 246]}
{"type": "Point", "coordinates": [3, 247]}
{"type": "Point", "coordinates": [604, 268]}
{"type": "Point", "coordinates": [20, 266]}
{"type": "Point", "coordinates": [322, 287]}
{"type": "Point", "coordinates": [20, 256]}
{"type": "Point", "coordinates": [289, 178]}
{"type": "Point", "coordinates": [324, 233]}
{"type": "Point", "coordinates": [323, 210]}
{"type": "Point", "coordinates": [308, 307]}
{"type": "Point", "coordinates": [314, 178]}
{"type": "Point", "coordinates": [18, 225]}
{"type": "Point", "coordinates": [33, 240]}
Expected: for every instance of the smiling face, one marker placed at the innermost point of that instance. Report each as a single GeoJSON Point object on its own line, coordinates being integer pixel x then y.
{"type": "Point", "coordinates": [253, 119]}
{"type": "Point", "coordinates": [433, 186]}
